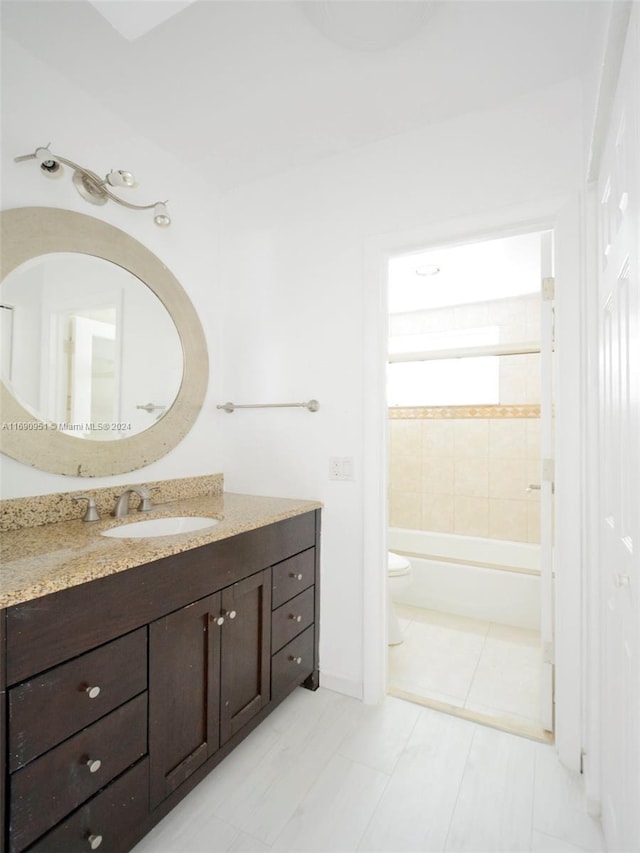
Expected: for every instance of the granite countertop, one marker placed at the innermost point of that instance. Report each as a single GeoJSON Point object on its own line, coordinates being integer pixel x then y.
{"type": "Point", "coordinates": [36, 561]}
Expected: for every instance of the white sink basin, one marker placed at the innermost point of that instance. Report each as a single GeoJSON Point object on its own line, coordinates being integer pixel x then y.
{"type": "Point", "coordinates": [161, 526]}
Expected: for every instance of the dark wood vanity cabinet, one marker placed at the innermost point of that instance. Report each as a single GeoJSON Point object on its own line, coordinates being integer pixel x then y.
{"type": "Point", "coordinates": [121, 694]}
{"type": "Point", "coordinates": [209, 668]}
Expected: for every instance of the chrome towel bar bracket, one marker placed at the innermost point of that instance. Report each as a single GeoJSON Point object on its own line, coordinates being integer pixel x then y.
{"type": "Point", "coordinates": [311, 405]}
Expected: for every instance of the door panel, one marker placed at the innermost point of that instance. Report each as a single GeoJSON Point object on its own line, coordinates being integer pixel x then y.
{"type": "Point", "coordinates": [246, 651]}
{"type": "Point", "coordinates": [184, 698]}
{"type": "Point", "coordinates": [619, 494]}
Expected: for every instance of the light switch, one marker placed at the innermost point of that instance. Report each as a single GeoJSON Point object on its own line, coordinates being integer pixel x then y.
{"type": "Point", "coordinates": [341, 467]}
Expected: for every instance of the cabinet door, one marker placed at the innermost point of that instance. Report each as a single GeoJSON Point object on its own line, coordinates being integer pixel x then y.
{"type": "Point", "coordinates": [184, 697]}
{"type": "Point", "coordinates": [246, 651]}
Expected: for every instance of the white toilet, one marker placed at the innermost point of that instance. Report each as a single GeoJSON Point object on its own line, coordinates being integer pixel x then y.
{"type": "Point", "coordinates": [399, 579]}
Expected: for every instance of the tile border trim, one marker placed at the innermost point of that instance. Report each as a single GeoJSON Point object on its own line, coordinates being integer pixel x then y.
{"type": "Point", "coordinates": [494, 412]}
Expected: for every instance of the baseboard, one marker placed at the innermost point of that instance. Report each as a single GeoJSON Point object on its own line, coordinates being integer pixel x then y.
{"type": "Point", "coordinates": [341, 685]}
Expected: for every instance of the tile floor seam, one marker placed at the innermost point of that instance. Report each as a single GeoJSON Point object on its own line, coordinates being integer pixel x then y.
{"type": "Point", "coordinates": [460, 781]}
{"type": "Point", "coordinates": [218, 811]}
{"type": "Point", "coordinates": [475, 669]}
{"type": "Point", "coordinates": [301, 794]}
{"type": "Point", "coordinates": [250, 835]}
{"type": "Point", "coordinates": [364, 764]}
{"type": "Point", "coordinates": [404, 747]}
{"type": "Point", "coordinates": [185, 830]}
{"type": "Point", "coordinates": [525, 721]}
{"type": "Point", "coordinates": [335, 751]}
{"type": "Point", "coordinates": [577, 847]}
{"type": "Point", "coordinates": [352, 762]}
{"type": "Point", "coordinates": [373, 813]}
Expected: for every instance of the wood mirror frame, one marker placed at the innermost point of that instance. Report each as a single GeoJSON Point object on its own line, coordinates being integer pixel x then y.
{"type": "Point", "coordinates": [29, 232]}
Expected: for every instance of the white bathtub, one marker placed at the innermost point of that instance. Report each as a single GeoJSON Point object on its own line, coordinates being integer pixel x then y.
{"type": "Point", "coordinates": [505, 589]}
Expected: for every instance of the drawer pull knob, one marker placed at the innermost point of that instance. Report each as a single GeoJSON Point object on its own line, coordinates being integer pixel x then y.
{"type": "Point", "coordinates": [295, 659]}
{"type": "Point", "coordinates": [296, 576]}
{"type": "Point", "coordinates": [94, 841]}
{"type": "Point", "coordinates": [94, 764]}
{"type": "Point", "coordinates": [295, 618]}
{"type": "Point", "coordinates": [220, 620]}
{"type": "Point", "coordinates": [230, 613]}
{"type": "Point", "coordinates": [93, 692]}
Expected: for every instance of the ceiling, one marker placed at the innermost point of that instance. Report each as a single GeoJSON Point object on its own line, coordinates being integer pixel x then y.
{"type": "Point", "coordinates": [460, 275]}
{"type": "Point", "coordinates": [245, 89]}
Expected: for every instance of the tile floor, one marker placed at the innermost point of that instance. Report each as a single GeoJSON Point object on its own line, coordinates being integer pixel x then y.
{"type": "Point", "coordinates": [488, 671]}
{"type": "Point", "coordinates": [327, 773]}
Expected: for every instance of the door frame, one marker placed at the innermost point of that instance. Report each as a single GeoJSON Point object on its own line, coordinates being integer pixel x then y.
{"type": "Point", "coordinates": [564, 217]}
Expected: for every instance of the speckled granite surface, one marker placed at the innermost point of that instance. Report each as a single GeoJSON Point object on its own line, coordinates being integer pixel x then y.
{"type": "Point", "coordinates": [50, 557]}
{"type": "Point", "coordinates": [49, 509]}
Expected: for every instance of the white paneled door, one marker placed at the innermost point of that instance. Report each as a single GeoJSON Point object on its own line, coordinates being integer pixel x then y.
{"type": "Point", "coordinates": [619, 494]}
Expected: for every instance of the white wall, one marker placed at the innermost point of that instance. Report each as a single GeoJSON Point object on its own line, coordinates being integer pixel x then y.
{"type": "Point", "coordinates": [280, 273]}
{"type": "Point", "coordinates": [303, 306]}
{"type": "Point", "coordinates": [40, 106]}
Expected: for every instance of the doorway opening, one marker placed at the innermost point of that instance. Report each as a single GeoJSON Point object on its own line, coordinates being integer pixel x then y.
{"type": "Point", "coordinates": [469, 402]}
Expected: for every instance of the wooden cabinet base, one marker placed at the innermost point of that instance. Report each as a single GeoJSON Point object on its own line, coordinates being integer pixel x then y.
{"type": "Point", "coordinates": [111, 820]}
{"type": "Point", "coordinates": [193, 653]}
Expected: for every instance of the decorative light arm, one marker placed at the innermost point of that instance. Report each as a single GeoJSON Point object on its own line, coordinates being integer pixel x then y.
{"type": "Point", "coordinates": [93, 188]}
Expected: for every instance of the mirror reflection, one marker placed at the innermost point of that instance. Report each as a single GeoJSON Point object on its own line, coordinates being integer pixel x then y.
{"type": "Point", "coordinates": [87, 345]}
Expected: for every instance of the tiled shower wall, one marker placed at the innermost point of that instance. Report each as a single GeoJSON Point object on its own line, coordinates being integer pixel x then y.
{"type": "Point", "coordinates": [465, 469]}
{"type": "Point", "coordinates": [465, 475]}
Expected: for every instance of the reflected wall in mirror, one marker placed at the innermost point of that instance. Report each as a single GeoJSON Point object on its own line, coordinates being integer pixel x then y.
{"type": "Point", "coordinates": [98, 341]}
{"type": "Point", "coordinates": [109, 364]}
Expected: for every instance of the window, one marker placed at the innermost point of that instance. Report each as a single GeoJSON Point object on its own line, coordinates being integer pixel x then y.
{"type": "Point", "coordinates": [444, 382]}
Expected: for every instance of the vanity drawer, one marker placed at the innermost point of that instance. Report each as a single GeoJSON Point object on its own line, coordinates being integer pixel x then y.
{"type": "Point", "coordinates": [114, 816]}
{"type": "Point", "coordinates": [46, 790]}
{"type": "Point", "coordinates": [292, 576]}
{"type": "Point", "coordinates": [73, 695]}
{"type": "Point", "coordinates": [292, 664]}
{"type": "Point", "coordinates": [292, 618]}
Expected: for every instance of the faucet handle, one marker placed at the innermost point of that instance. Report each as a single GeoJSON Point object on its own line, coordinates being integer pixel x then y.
{"type": "Point", "coordinates": [145, 499]}
{"type": "Point", "coordinates": [91, 513]}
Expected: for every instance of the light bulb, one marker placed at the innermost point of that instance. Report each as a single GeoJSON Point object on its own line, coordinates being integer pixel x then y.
{"type": "Point", "coordinates": [48, 164]}
{"type": "Point", "coordinates": [51, 168]}
{"type": "Point", "coordinates": [120, 178]}
{"type": "Point", "coordinates": [161, 215]}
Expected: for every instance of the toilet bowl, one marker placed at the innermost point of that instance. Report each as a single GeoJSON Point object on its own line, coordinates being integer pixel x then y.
{"type": "Point", "coordinates": [398, 581]}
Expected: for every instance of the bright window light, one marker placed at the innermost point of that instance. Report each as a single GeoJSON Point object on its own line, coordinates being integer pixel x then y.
{"type": "Point", "coordinates": [446, 382]}
{"type": "Point", "coordinates": [450, 339]}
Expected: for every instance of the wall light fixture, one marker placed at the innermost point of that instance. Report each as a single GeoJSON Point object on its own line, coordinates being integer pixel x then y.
{"type": "Point", "coordinates": [92, 187]}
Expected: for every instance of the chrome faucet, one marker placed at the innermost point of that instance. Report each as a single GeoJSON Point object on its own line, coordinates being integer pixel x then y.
{"type": "Point", "coordinates": [122, 504]}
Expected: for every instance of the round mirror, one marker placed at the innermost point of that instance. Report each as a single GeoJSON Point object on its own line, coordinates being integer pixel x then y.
{"type": "Point", "coordinates": [103, 359]}
{"type": "Point", "coordinates": [109, 360]}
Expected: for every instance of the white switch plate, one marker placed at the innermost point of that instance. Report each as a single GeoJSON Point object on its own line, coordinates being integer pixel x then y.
{"type": "Point", "coordinates": [341, 467]}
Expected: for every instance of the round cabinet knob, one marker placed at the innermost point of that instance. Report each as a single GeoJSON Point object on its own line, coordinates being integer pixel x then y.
{"type": "Point", "coordinates": [231, 614]}
{"type": "Point", "coordinates": [295, 618]}
{"type": "Point", "coordinates": [94, 764]}
{"type": "Point", "coordinates": [220, 620]}
{"type": "Point", "coordinates": [94, 841]}
{"type": "Point", "coordinates": [296, 576]}
{"type": "Point", "coordinates": [295, 659]}
{"type": "Point", "coordinates": [93, 692]}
